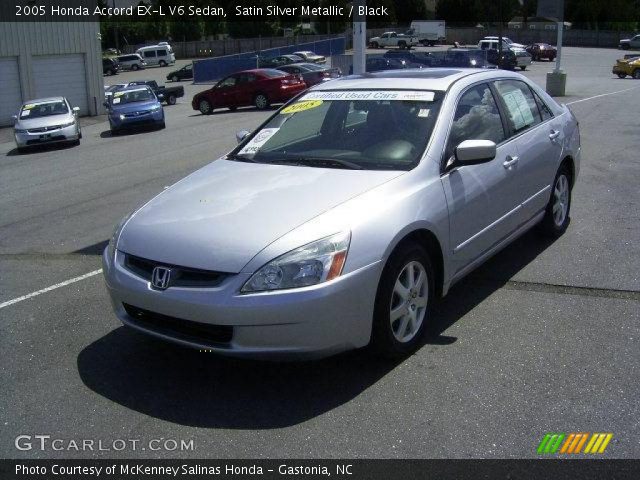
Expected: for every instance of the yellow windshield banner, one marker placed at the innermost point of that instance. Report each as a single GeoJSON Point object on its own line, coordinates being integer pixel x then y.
{"type": "Point", "coordinates": [301, 106]}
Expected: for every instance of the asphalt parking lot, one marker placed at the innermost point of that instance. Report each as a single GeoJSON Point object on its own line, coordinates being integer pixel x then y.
{"type": "Point", "coordinates": [543, 338]}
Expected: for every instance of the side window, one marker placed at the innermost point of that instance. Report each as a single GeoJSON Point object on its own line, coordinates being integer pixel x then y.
{"type": "Point", "coordinates": [522, 109]}
{"type": "Point", "coordinates": [228, 82]}
{"type": "Point", "coordinates": [477, 118]}
{"type": "Point", "coordinates": [161, 53]}
{"type": "Point", "coordinates": [544, 109]}
{"type": "Point", "coordinates": [150, 54]}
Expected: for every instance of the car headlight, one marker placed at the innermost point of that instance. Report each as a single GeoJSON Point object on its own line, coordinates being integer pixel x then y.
{"type": "Point", "coordinates": [116, 234]}
{"type": "Point", "coordinates": [314, 263]}
{"type": "Point", "coordinates": [20, 130]}
{"type": "Point", "coordinates": [122, 117]}
{"type": "Point", "coordinates": [155, 107]}
{"type": "Point", "coordinates": [65, 125]}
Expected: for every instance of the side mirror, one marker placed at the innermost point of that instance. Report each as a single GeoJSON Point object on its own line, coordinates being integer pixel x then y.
{"type": "Point", "coordinates": [15, 117]}
{"type": "Point", "coordinates": [75, 110]}
{"type": "Point", "coordinates": [473, 152]}
{"type": "Point", "coordinates": [241, 135]}
{"type": "Point", "coordinates": [105, 104]}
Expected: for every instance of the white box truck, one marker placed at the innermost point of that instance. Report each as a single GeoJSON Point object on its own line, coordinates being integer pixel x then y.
{"type": "Point", "coordinates": [428, 32]}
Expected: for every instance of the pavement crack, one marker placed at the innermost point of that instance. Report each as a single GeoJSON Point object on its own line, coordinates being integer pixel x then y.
{"type": "Point", "coordinates": [573, 290]}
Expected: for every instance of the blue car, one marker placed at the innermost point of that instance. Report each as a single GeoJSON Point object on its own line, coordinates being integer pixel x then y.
{"type": "Point", "coordinates": [132, 107]}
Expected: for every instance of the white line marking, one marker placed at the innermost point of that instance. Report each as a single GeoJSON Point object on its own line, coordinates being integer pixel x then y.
{"type": "Point", "coordinates": [602, 95]}
{"type": "Point", "coordinates": [48, 289]}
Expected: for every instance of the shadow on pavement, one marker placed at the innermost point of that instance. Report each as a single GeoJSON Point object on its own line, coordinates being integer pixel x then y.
{"type": "Point", "coordinates": [200, 389]}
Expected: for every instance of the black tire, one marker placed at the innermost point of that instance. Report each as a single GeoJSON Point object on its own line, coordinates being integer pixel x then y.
{"type": "Point", "coordinates": [134, 67]}
{"type": "Point", "coordinates": [636, 74]}
{"type": "Point", "coordinates": [383, 339]}
{"type": "Point", "coordinates": [375, 45]}
{"type": "Point", "coordinates": [625, 46]}
{"type": "Point", "coordinates": [171, 100]}
{"type": "Point", "coordinates": [174, 78]}
{"type": "Point", "coordinates": [162, 63]}
{"type": "Point", "coordinates": [205, 107]}
{"type": "Point", "coordinates": [110, 72]}
{"type": "Point", "coordinates": [523, 67]}
{"type": "Point", "coordinates": [622, 75]}
{"type": "Point", "coordinates": [550, 225]}
{"type": "Point", "coordinates": [402, 45]}
{"type": "Point", "coordinates": [261, 101]}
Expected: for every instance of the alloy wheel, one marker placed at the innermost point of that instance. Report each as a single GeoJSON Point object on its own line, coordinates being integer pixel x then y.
{"type": "Point", "coordinates": [409, 302]}
{"type": "Point", "coordinates": [261, 102]}
{"type": "Point", "coordinates": [560, 200]}
{"type": "Point", "coordinates": [205, 107]}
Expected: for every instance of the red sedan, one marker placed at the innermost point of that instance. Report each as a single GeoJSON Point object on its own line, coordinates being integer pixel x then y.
{"type": "Point", "coordinates": [260, 87]}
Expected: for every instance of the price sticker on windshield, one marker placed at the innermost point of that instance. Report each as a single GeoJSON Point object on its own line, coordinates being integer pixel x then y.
{"type": "Point", "coordinates": [29, 106]}
{"type": "Point", "coordinates": [258, 141]}
{"type": "Point", "coordinates": [301, 106]}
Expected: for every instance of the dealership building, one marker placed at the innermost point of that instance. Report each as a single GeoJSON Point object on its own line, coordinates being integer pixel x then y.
{"type": "Point", "coordinates": [45, 59]}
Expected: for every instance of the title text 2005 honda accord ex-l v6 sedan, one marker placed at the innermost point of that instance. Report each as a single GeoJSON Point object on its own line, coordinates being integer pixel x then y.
{"type": "Point", "coordinates": [340, 220]}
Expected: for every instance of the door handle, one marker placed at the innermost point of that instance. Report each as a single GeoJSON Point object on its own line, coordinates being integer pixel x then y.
{"type": "Point", "coordinates": [510, 161]}
{"type": "Point", "coordinates": [554, 134]}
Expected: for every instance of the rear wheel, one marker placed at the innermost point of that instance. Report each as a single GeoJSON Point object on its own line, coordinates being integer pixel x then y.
{"type": "Point", "coordinates": [402, 45]}
{"type": "Point", "coordinates": [171, 100]}
{"type": "Point", "coordinates": [205, 107]}
{"type": "Point", "coordinates": [174, 78]}
{"type": "Point", "coordinates": [134, 67]}
{"type": "Point", "coordinates": [523, 67]}
{"type": "Point", "coordinates": [636, 74]}
{"type": "Point", "coordinates": [556, 218]}
{"type": "Point", "coordinates": [162, 63]}
{"type": "Point", "coordinates": [261, 101]}
{"type": "Point", "coordinates": [622, 75]}
{"type": "Point", "coordinates": [375, 45]}
{"type": "Point", "coordinates": [403, 301]}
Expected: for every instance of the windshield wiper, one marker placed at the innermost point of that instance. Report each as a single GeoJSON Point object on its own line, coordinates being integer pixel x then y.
{"type": "Point", "coordinates": [241, 158]}
{"type": "Point", "coordinates": [319, 162]}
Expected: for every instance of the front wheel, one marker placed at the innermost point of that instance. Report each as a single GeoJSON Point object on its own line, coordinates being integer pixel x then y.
{"type": "Point", "coordinates": [162, 63]}
{"type": "Point", "coordinates": [523, 67]}
{"type": "Point", "coordinates": [375, 45]}
{"type": "Point", "coordinates": [556, 219]}
{"type": "Point", "coordinates": [205, 107]}
{"type": "Point", "coordinates": [622, 75]}
{"type": "Point", "coordinates": [402, 45]}
{"type": "Point", "coordinates": [174, 78]}
{"type": "Point", "coordinates": [134, 67]}
{"type": "Point", "coordinates": [261, 101]}
{"type": "Point", "coordinates": [402, 305]}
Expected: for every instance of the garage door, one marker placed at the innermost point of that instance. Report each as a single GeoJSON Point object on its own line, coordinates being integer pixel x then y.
{"type": "Point", "coordinates": [10, 98]}
{"type": "Point", "coordinates": [61, 75]}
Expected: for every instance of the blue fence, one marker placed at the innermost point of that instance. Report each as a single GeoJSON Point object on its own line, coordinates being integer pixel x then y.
{"type": "Point", "coordinates": [210, 69]}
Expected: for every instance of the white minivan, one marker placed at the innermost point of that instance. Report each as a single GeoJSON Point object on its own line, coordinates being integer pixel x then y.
{"type": "Point", "coordinates": [160, 54]}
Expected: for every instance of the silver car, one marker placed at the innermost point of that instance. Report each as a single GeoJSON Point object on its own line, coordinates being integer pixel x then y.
{"type": "Point", "coordinates": [339, 221]}
{"type": "Point", "coordinates": [44, 121]}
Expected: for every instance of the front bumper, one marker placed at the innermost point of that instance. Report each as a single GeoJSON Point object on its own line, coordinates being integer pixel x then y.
{"type": "Point", "coordinates": [152, 117]}
{"type": "Point", "coordinates": [33, 137]}
{"type": "Point", "coordinates": [309, 322]}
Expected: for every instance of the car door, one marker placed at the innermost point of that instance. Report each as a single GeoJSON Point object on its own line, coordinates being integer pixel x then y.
{"type": "Point", "coordinates": [245, 90]}
{"type": "Point", "coordinates": [225, 92]}
{"type": "Point", "coordinates": [539, 138]}
{"type": "Point", "coordinates": [482, 199]}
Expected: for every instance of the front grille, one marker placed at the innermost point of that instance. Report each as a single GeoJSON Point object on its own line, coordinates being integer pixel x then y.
{"type": "Point", "coordinates": [215, 335]}
{"type": "Point", "coordinates": [136, 114]}
{"type": "Point", "coordinates": [44, 129]}
{"type": "Point", "coordinates": [180, 276]}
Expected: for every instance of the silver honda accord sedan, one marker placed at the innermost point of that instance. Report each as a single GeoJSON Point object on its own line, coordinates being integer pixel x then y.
{"type": "Point", "coordinates": [340, 220]}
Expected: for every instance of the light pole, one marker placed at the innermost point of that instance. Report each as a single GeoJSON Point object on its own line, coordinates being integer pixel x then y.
{"type": "Point", "coordinates": [359, 36]}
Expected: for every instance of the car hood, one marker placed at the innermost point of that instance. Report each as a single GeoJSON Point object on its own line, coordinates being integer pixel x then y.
{"type": "Point", "coordinates": [133, 107]}
{"type": "Point", "coordinates": [222, 215]}
{"type": "Point", "coordinates": [48, 121]}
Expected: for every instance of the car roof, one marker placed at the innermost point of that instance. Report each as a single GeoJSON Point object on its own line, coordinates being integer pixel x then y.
{"type": "Point", "coordinates": [301, 64]}
{"type": "Point", "coordinates": [45, 100]}
{"type": "Point", "coordinates": [418, 79]}
{"type": "Point", "coordinates": [134, 87]}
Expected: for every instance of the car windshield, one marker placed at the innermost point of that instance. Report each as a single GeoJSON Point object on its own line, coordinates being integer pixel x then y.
{"type": "Point", "coordinates": [132, 96]}
{"type": "Point", "coordinates": [357, 129]}
{"type": "Point", "coordinates": [43, 109]}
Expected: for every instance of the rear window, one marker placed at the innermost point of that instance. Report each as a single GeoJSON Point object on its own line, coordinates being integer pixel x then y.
{"type": "Point", "coordinates": [271, 73]}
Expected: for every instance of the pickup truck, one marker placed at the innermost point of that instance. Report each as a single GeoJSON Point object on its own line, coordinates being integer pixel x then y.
{"type": "Point", "coordinates": [169, 95]}
{"type": "Point", "coordinates": [393, 39]}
